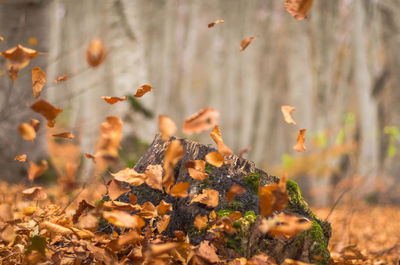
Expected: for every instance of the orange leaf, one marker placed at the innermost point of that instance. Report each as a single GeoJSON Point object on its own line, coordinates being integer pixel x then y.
{"type": "Point", "coordinates": [26, 131]}
{"type": "Point", "coordinates": [222, 148]}
{"type": "Point", "coordinates": [164, 207]}
{"type": "Point", "coordinates": [294, 262]}
{"type": "Point", "coordinates": [233, 191]}
{"type": "Point", "coordinates": [148, 211]}
{"type": "Point", "coordinates": [64, 135]}
{"type": "Point", "coordinates": [167, 127]}
{"type": "Point", "coordinates": [215, 159]}
{"type": "Point", "coordinates": [130, 176]}
{"type": "Point", "coordinates": [95, 53]}
{"type": "Point", "coordinates": [56, 228]}
{"type": "Point", "coordinates": [180, 190]}
{"type": "Point", "coordinates": [38, 81]}
{"type": "Point", "coordinates": [20, 54]}
{"type": "Point", "coordinates": [196, 169]}
{"type": "Point", "coordinates": [172, 155]}
{"type": "Point", "coordinates": [47, 110]}
{"type": "Point", "coordinates": [122, 219]}
{"type": "Point", "coordinates": [153, 175]}
{"type": "Point", "coordinates": [21, 158]}
{"type": "Point", "coordinates": [35, 193]}
{"type": "Point", "coordinates": [287, 114]}
{"type": "Point", "coordinates": [36, 170]}
{"type": "Point", "coordinates": [142, 90]}
{"type": "Point", "coordinates": [298, 8]}
{"type": "Point", "coordinates": [32, 41]}
{"type": "Point", "coordinates": [212, 24]}
{"type": "Point", "coordinates": [208, 197]}
{"type": "Point", "coordinates": [246, 42]}
{"type": "Point", "coordinates": [207, 253]}
{"type": "Point", "coordinates": [162, 223]}
{"type": "Point", "coordinates": [273, 197]}
{"type": "Point", "coordinates": [300, 145]}
{"type": "Point", "coordinates": [13, 70]}
{"type": "Point", "coordinates": [110, 138]}
{"type": "Point", "coordinates": [288, 225]}
{"type": "Point", "coordinates": [123, 206]}
{"type": "Point", "coordinates": [35, 124]}
{"type": "Point", "coordinates": [91, 157]}
{"type": "Point", "coordinates": [61, 78]}
{"type": "Point", "coordinates": [115, 189]}
{"type": "Point", "coordinates": [113, 100]}
{"type": "Point", "coordinates": [200, 222]}
{"type": "Point", "coordinates": [202, 120]}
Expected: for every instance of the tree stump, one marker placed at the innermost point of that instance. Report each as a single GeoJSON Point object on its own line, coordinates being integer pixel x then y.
{"type": "Point", "coordinates": [308, 246]}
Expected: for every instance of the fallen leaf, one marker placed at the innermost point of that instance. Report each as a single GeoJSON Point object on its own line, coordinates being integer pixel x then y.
{"type": "Point", "coordinates": [13, 70]}
{"type": "Point", "coordinates": [180, 190]}
{"type": "Point", "coordinates": [132, 198]}
{"type": "Point", "coordinates": [153, 176]}
{"type": "Point", "coordinates": [27, 132]}
{"type": "Point", "coordinates": [64, 135]}
{"type": "Point", "coordinates": [35, 193]}
{"type": "Point", "coordinates": [298, 8]}
{"type": "Point", "coordinates": [164, 207]}
{"type": "Point", "coordinates": [36, 170]}
{"type": "Point", "coordinates": [233, 191]}
{"type": "Point", "coordinates": [262, 259]}
{"type": "Point", "coordinates": [202, 120]}
{"type": "Point", "coordinates": [115, 189]}
{"type": "Point", "coordinates": [8, 234]}
{"type": "Point", "coordinates": [122, 219]}
{"type": "Point", "coordinates": [225, 224]}
{"type": "Point", "coordinates": [113, 100]}
{"type": "Point", "coordinates": [212, 24]}
{"type": "Point", "coordinates": [200, 222]}
{"type": "Point", "coordinates": [294, 262]}
{"type": "Point", "coordinates": [162, 223]}
{"type": "Point", "coordinates": [38, 81]}
{"type": "Point", "coordinates": [130, 176]}
{"type": "Point", "coordinates": [32, 41]}
{"type": "Point", "coordinates": [47, 110]}
{"type": "Point", "coordinates": [83, 206]}
{"type": "Point", "coordinates": [20, 54]}
{"type": "Point", "coordinates": [215, 159]}
{"type": "Point", "coordinates": [148, 211]}
{"type": "Point", "coordinates": [142, 90]}
{"type": "Point", "coordinates": [123, 206]}
{"type": "Point", "coordinates": [6, 213]}
{"type": "Point", "coordinates": [130, 237]}
{"type": "Point", "coordinates": [206, 252]}
{"type": "Point", "coordinates": [196, 169]}
{"type": "Point", "coordinates": [21, 158]}
{"type": "Point", "coordinates": [35, 124]}
{"type": "Point", "coordinates": [273, 197]}
{"type": "Point", "coordinates": [222, 148]}
{"type": "Point", "coordinates": [208, 197]}
{"type": "Point", "coordinates": [159, 249]}
{"type": "Point", "coordinates": [300, 145]}
{"type": "Point", "coordinates": [287, 113]}
{"type": "Point", "coordinates": [167, 127]}
{"type": "Point", "coordinates": [172, 155]}
{"type": "Point", "coordinates": [246, 42]}
{"type": "Point", "coordinates": [61, 78]}
{"type": "Point", "coordinates": [95, 52]}
{"type": "Point", "coordinates": [56, 228]}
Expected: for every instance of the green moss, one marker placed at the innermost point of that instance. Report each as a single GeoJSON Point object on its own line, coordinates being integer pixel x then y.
{"type": "Point", "coordinates": [250, 216]}
{"type": "Point", "coordinates": [209, 168]}
{"type": "Point", "coordinates": [252, 182]}
{"type": "Point", "coordinates": [296, 203]}
{"type": "Point", "coordinates": [319, 248]}
{"type": "Point", "coordinates": [224, 212]}
{"type": "Point", "coordinates": [235, 206]}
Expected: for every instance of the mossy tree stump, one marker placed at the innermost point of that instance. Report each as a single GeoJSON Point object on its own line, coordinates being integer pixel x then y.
{"type": "Point", "coordinates": [309, 246]}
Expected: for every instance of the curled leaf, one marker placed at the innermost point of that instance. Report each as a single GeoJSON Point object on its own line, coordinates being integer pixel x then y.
{"type": "Point", "coordinates": [164, 207]}
{"type": "Point", "coordinates": [300, 144]}
{"type": "Point", "coordinates": [148, 211]}
{"type": "Point", "coordinates": [61, 78]}
{"type": "Point", "coordinates": [172, 155]}
{"type": "Point", "coordinates": [38, 81]}
{"type": "Point", "coordinates": [130, 176]}
{"type": "Point", "coordinates": [35, 193]}
{"type": "Point", "coordinates": [21, 158]}
{"type": "Point", "coordinates": [142, 90]}
{"type": "Point", "coordinates": [95, 52]}
{"type": "Point", "coordinates": [122, 219]}
{"type": "Point", "coordinates": [180, 190]}
{"type": "Point", "coordinates": [20, 54]}
{"type": "Point", "coordinates": [113, 100]}
{"type": "Point", "coordinates": [208, 197]}
{"type": "Point", "coordinates": [212, 24]}
{"type": "Point", "coordinates": [287, 114]}
{"type": "Point", "coordinates": [115, 189]}
{"type": "Point", "coordinates": [167, 127]}
{"type": "Point", "coordinates": [36, 170]}
{"type": "Point", "coordinates": [246, 42]}
{"type": "Point", "coordinates": [202, 120]}
{"type": "Point", "coordinates": [298, 8]}
{"type": "Point", "coordinates": [215, 159]}
{"type": "Point", "coordinates": [56, 228]}
{"type": "Point", "coordinates": [222, 148]}
{"type": "Point", "coordinates": [64, 135]}
{"type": "Point", "coordinates": [47, 110]}
{"type": "Point", "coordinates": [196, 169]}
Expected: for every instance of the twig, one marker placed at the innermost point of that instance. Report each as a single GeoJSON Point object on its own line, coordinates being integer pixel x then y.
{"type": "Point", "coordinates": [335, 204]}
{"type": "Point", "coordinates": [74, 198]}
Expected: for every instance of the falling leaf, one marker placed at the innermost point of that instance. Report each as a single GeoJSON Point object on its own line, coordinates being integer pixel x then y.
{"type": "Point", "coordinates": [153, 176]}
{"type": "Point", "coordinates": [288, 225]}
{"type": "Point", "coordinates": [202, 120]}
{"type": "Point", "coordinates": [113, 100]}
{"type": "Point", "coordinates": [108, 144]}
{"type": "Point", "coordinates": [172, 155]}
{"type": "Point", "coordinates": [64, 135]}
{"type": "Point", "coordinates": [95, 53]}
{"type": "Point", "coordinates": [115, 189]}
{"type": "Point", "coordinates": [212, 24]}
{"type": "Point", "coordinates": [123, 206]}
{"type": "Point", "coordinates": [262, 259]}
{"type": "Point", "coordinates": [208, 197]}
{"type": "Point", "coordinates": [13, 72]}
{"type": "Point", "coordinates": [32, 41]}
{"type": "Point", "coordinates": [130, 176]}
{"type": "Point", "coordinates": [122, 219]}
{"type": "Point", "coordinates": [61, 78]}
{"type": "Point", "coordinates": [35, 193]}
{"type": "Point", "coordinates": [148, 211]}
{"type": "Point", "coordinates": [167, 127]}
{"type": "Point", "coordinates": [35, 124]}
{"type": "Point", "coordinates": [233, 191]}
{"type": "Point", "coordinates": [1, 38]}
{"type": "Point", "coordinates": [215, 159]}
{"type": "Point", "coordinates": [20, 54]}
{"type": "Point", "coordinates": [180, 190]}
{"type": "Point", "coordinates": [21, 158]}
{"type": "Point", "coordinates": [56, 228]}
{"type": "Point", "coordinates": [142, 90]}
{"type": "Point", "coordinates": [196, 169]}
{"type": "Point", "coordinates": [36, 170]}
{"type": "Point", "coordinates": [38, 81]}
{"type": "Point", "coordinates": [162, 223]}
{"type": "Point", "coordinates": [26, 131]}
{"type": "Point", "coordinates": [159, 249]}
{"type": "Point", "coordinates": [298, 8]}
{"type": "Point", "coordinates": [131, 237]}
{"type": "Point", "coordinates": [246, 42]}
{"type": "Point", "coordinates": [273, 197]}
{"type": "Point", "coordinates": [90, 157]}
{"type": "Point", "coordinates": [47, 110]}
{"type": "Point", "coordinates": [222, 148]}
{"type": "Point", "coordinates": [300, 145]}
{"type": "Point", "coordinates": [164, 207]}
{"type": "Point", "coordinates": [200, 222]}
{"type": "Point", "coordinates": [287, 114]}
{"type": "Point", "coordinates": [207, 253]}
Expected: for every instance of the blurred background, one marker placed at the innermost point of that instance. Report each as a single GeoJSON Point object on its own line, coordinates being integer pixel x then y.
{"type": "Point", "coordinates": [340, 69]}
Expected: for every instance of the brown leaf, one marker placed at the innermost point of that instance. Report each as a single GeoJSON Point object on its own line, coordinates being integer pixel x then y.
{"type": "Point", "coordinates": [215, 159]}
{"type": "Point", "coordinates": [20, 54]}
{"type": "Point", "coordinates": [243, 152]}
{"type": "Point", "coordinates": [164, 207]}
{"type": "Point", "coordinates": [95, 52]}
{"type": "Point", "coordinates": [130, 237]}
{"type": "Point", "coordinates": [122, 219]}
{"type": "Point", "coordinates": [6, 213]}
{"type": "Point", "coordinates": [56, 228]}
{"type": "Point", "coordinates": [123, 206]}
{"type": "Point", "coordinates": [167, 127]}
{"type": "Point", "coordinates": [294, 262]}
{"type": "Point", "coordinates": [225, 224]}
{"type": "Point", "coordinates": [298, 8]}
{"type": "Point", "coordinates": [212, 24]}
{"type": "Point", "coordinates": [130, 176]}
{"type": "Point", "coordinates": [202, 120]}
{"type": "Point", "coordinates": [208, 197]}
{"type": "Point", "coordinates": [142, 90]}
{"type": "Point", "coordinates": [47, 110]}
{"type": "Point", "coordinates": [153, 176]}
{"type": "Point", "coordinates": [64, 135]}
{"type": "Point", "coordinates": [300, 145]}
{"type": "Point", "coordinates": [32, 41]}
{"type": "Point", "coordinates": [115, 189]}
{"type": "Point", "coordinates": [222, 148]}
{"type": "Point", "coordinates": [148, 211]}
{"type": "Point", "coordinates": [289, 225]}
{"type": "Point", "coordinates": [196, 169]}
{"type": "Point", "coordinates": [91, 157]}
{"type": "Point", "coordinates": [206, 251]}
{"type": "Point", "coordinates": [180, 190]}
{"type": "Point", "coordinates": [13, 70]}
{"type": "Point", "coordinates": [200, 222]}
{"type": "Point", "coordinates": [21, 158]}
{"type": "Point", "coordinates": [113, 100]}
{"type": "Point", "coordinates": [262, 259]}
{"type": "Point", "coordinates": [61, 78]}
{"type": "Point", "coordinates": [246, 42]}
{"type": "Point", "coordinates": [172, 155]}
{"type": "Point", "coordinates": [26, 131]}
{"type": "Point", "coordinates": [162, 223]}
{"type": "Point", "coordinates": [35, 193]}
{"type": "Point", "coordinates": [36, 170]}
{"type": "Point", "coordinates": [83, 205]}
{"type": "Point", "coordinates": [38, 81]}
{"type": "Point", "coordinates": [273, 197]}
{"type": "Point", "coordinates": [132, 198]}
{"type": "Point", "coordinates": [35, 124]}
{"type": "Point", "coordinates": [233, 191]}
{"type": "Point", "coordinates": [287, 113]}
